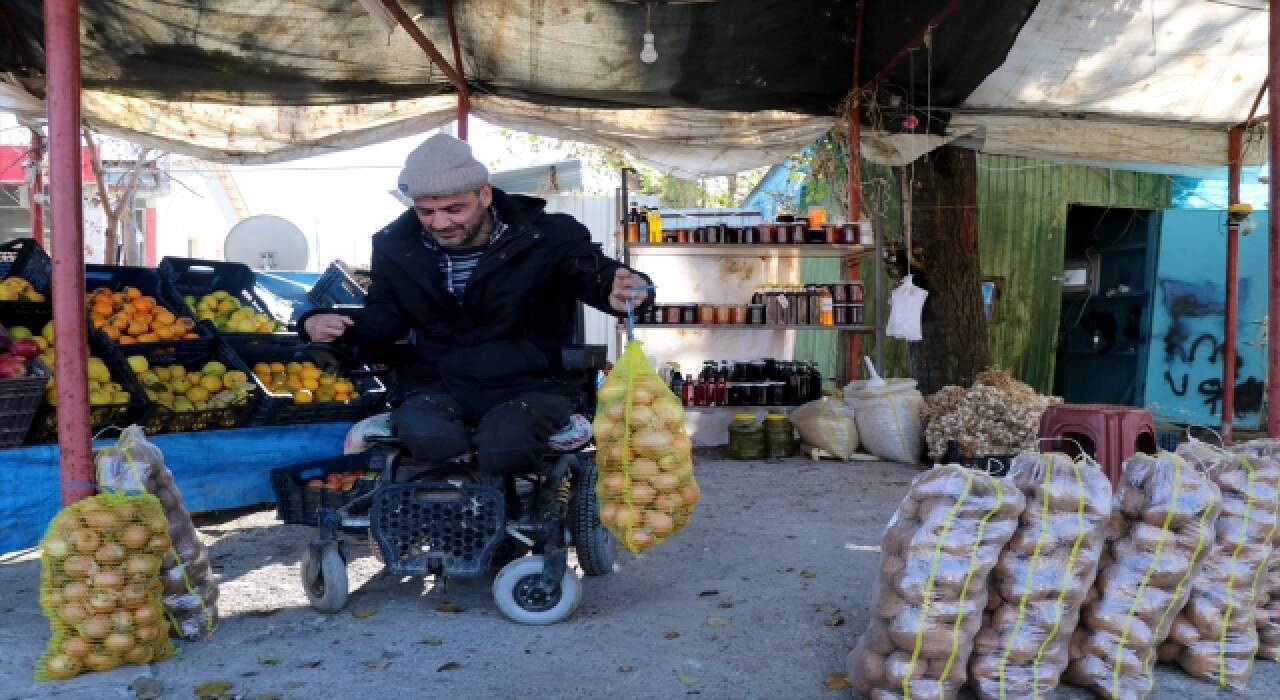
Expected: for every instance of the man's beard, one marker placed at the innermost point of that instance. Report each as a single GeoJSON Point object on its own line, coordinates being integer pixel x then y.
{"type": "Point", "coordinates": [472, 230]}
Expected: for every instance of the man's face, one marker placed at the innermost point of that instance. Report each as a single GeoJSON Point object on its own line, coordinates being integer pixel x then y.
{"type": "Point", "coordinates": [456, 220]}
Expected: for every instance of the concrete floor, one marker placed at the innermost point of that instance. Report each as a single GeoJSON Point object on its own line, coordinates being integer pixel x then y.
{"type": "Point", "coordinates": [762, 596]}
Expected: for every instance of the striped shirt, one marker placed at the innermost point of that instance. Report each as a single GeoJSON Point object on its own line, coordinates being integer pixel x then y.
{"type": "Point", "coordinates": [457, 264]}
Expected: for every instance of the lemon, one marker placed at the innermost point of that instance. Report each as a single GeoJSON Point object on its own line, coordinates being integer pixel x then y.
{"type": "Point", "coordinates": [179, 385]}
{"type": "Point", "coordinates": [138, 363]}
{"type": "Point", "coordinates": [119, 397]}
{"type": "Point", "coordinates": [177, 371]}
{"type": "Point", "coordinates": [197, 393]}
{"type": "Point", "coordinates": [215, 368]}
{"type": "Point", "coordinates": [303, 396]}
{"type": "Point", "coordinates": [163, 374]}
{"type": "Point", "coordinates": [310, 384]}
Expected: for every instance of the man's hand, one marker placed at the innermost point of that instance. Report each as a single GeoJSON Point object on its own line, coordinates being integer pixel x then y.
{"type": "Point", "coordinates": [624, 282]}
{"type": "Point", "coordinates": [326, 328]}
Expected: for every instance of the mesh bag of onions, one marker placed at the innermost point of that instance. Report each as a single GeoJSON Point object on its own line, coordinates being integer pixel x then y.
{"type": "Point", "coordinates": [645, 460]}
{"type": "Point", "coordinates": [1215, 636]}
{"type": "Point", "coordinates": [1267, 612]}
{"type": "Point", "coordinates": [100, 588]}
{"type": "Point", "coordinates": [1160, 531]}
{"type": "Point", "coordinates": [936, 557]}
{"type": "Point", "coordinates": [1041, 579]}
{"type": "Point", "coordinates": [134, 465]}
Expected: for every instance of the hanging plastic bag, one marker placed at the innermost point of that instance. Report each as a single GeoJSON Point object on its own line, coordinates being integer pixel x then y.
{"type": "Point", "coordinates": [1214, 636]}
{"type": "Point", "coordinates": [828, 424]}
{"type": "Point", "coordinates": [1042, 577]}
{"type": "Point", "coordinates": [357, 439]}
{"type": "Point", "coordinates": [100, 586]}
{"type": "Point", "coordinates": [888, 418]}
{"type": "Point", "coordinates": [906, 305]}
{"type": "Point", "coordinates": [135, 465]}
{"type": "Point", "coordinates": [644, 459]}
{"type": "Point", "coordinates": [1161, 529]}
{"type": "Point", "coordinates": [936, 557]}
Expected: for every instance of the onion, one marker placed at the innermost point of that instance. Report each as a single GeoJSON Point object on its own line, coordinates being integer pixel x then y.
{"type": "Point", "coordinates": [159, 544]}
{"type": "Point", "coordinates": [108, 579]}
{"type": "Point", "coordinates": [56, 548]}
{"type": "Point", "coordinates": [85, 540]}
{"type": "Point", "coordinates": [125, 512]}
{"type": "Point", "coordinates": [615, 455]}
{"type": "Point", "coordinates": [137, 655]}
{"type": "Point", "coordinates": [110, 553]}
{"type": "Point", "coordinates": [615, 411]}
{"type": "Point", "coordinates": [95, 627]}
{"type": "Point", "coordinates": [660, 523]}
{"type": "Point", "coordinates": [76, 647]}
{"type": "Point", "coordinates": [76, 590]}
{"type": "Point", "coordinates": [643, 416]}
{"type": "Point", "coordinates": [141, 565]}
{"type": "Point", "coordinates": [146, 633]}
{"type": "Point", "coordinates": [156, 522]}
{"type": "Point", "coordinates": [135, 595]}
{"type": "Point", "coordinates": [669, 412]}
{"type": "Point", "coordinates": [134, 536]}
{"type": "Point", "coordinates": [681, 445]}
{"type": "Point", "coordinates": [626, 516]}
{"type": "Point", "coordinates": [607, 513]}
{"type": "Point", "coordinates": [62, 666]}
{"type": "Point", "coordinates": [666, 482]}
{"type": "Point", "coordinates": [102, 662]}
{"type": "Point", "coordinates": [122, 621]}
{"type": "Point", "coordinates": [73, 613]}
{"type": "Point", "coordinates": [651, 443]}
{"type": "Point", "coordinates": [144, 615]}
{"type": "Point", "coordinates": [100, 520]}
{"type": "Point", "coordinates": [668, 502]}
{"type": "Point", "coordinates": [78, 566]}
{"type": "Point", "coordinates": [690, 493]}
{"type": "Point", "coordinates": [642, 493]}
{"type": "Point", "coordinates": [640, 538]}
{"type": "Point", "coordinates": [611, 392]}
{"type": "Point", "coordinates": [118, 642]}
{"type": "Point", "coordinates": [606, 431]}
{"type": "Point", "coordinates": [640, 396]}
{"type": "Point", "coordinates": [52, 598]}
{"type": "Point", "coordinates": [614, 482]}
{"type": "Point", "coordinates": [102, 602]}
{"type": "Point", "coordinates": [66, 521]}
{"type": "Point", "coordinates": [643, 469]}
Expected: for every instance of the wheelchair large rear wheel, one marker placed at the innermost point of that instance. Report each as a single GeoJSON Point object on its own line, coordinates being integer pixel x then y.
{"type": "Point", "coordinates": [594, 543]}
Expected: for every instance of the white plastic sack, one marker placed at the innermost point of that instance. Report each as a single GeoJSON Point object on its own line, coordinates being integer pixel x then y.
{"type": "Point", "coordinates": [906, 303]}
{"type": "Point", "coordinates": [888, 418]}
{"type": "Point", "coordinates": [373, 426]}
{"type": "Point", "coordinates": [828, 424]}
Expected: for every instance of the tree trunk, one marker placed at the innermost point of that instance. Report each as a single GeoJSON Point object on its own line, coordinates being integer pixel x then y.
{"type": "Point", "coordinates": [945, 262]}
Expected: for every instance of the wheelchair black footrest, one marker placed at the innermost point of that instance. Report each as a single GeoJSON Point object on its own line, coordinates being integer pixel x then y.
{"type": "Point", "coordinates": [438, 527]}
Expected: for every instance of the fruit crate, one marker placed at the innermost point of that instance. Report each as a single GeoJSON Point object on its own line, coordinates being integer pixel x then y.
{"type": "Point", "coordinates": [192, 277]}
{"type": "Point", "coordinates": [298, 504]}
{"type": "Point", "coordinates": [20, 397]}
{"type": "Point", "coordinates": [336, 287]}
{"type": "Point", "coordinates": [23, 257]}
{"type": "Point", "coordinates": [148, 281]}
{"type": "Point", "coordinates": [282, 409]}
{"type": "Point", "coordinates": [156, 418]}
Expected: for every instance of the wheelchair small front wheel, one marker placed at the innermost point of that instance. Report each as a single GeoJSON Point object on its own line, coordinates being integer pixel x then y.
{"type": "Point", "coordinates": [523, 597]}
{"type": "Point", "coordinates": [325, 580]}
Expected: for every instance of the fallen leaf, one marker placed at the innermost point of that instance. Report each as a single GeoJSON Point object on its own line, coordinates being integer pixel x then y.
{"type": "Point", "coordinates": [670, 634]}
{"type": "Point", "coordinates": [834, 621]}
{"type": "Point", "coordinates": [808, 573]}
{"type": "Point", "coordinates": [292, 685]}
{"type": "Point", "coordinates": [725, 605]}
{"type": "Point", "coordinates": [709, 592]}
{"type": "Point", "coordinates": [146, 688]}
{"type": "Point", "coordinates": [267, 696]}
{"type": "Point", "coordinates": [449, 666]}
{"type": "Point", "coordinates": [836, 681]}
{"type": "Point", "coordinates": [625, 669]}
{"type": "Point", "coordinates": [270, 660]}
{"type": "Point", "coordinates": [717, 621]}
{"type": "Point", "coordinates": [785, 569]}
{"type": "Point", "coordinates": [446, 606]}
{"type": "Point", "coordinates": [362, 613]}
{"type": "Point", "coordinates": [686, 678]}
{"type": "Point", "coordinates": [312, 663]}
{"type": "Point", "coordinates": [212, 689]}
{"type": "Point", "coordinates": [377, 663]}
{"type": "Point", "coordinates": [431, 640]}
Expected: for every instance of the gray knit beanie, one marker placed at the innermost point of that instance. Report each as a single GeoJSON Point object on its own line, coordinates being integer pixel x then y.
{"type": "Point", "coordinates": [441, 166]}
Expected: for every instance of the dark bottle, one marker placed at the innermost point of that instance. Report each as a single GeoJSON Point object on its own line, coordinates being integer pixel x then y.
{"type": "Point", "coordinates": [642, 222]}
{"type": "Point", "coordinates": [700, 393]}
{"type": "Point", "coordinates": [686, 391]}
{"type": "Point", "coordinates": [722, 391]}
{"type": "Point", "coordinates": [815, 382]}
{"type": "Point", "coordinates": [677, 383]}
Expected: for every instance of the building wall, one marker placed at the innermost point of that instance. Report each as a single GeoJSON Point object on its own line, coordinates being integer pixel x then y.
{"type": "Point", "coordinates": [1022, 215]}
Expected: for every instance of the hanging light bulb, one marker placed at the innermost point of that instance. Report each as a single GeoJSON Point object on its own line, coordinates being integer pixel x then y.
{"type": "Point", "coordinates": [648, 54]}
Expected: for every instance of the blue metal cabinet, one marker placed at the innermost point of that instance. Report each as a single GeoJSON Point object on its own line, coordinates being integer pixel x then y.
{"type": "Point", "coordinates": [1184, 363]}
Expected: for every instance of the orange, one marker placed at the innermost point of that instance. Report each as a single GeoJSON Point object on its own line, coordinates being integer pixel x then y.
{"type": "Point", "coordinates": [102, 308]}
{"type": "Point", "coordinates": [163, 315]}
{"type": "Point", "coordinates": [133, 292]}
{"type": "Point", "coordinates": [111, 333]}
{"type": "Point", "coordinates": [165, 332]}
{"type": "Point", "coordinates": [190, 336]}
{"type": "Point", "coordinates": [148, 338]}
{"type": "Point", "coordinates": [136, 328]}
{"type": "Point", "coordinates": [144, 304]}
{"type": "Point", "coordinates": [120, 321]}
{"type": "Point", "coordinates": [126, 340]}
{"type": "Point", "coordinates": [98, 322]}
{"type": "Point", "coordinates": [128, 308]}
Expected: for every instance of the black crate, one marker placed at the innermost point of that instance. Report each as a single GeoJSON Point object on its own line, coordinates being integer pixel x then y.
{"type": "Point", "coordinates": [23, 257]}
{"type": "Point", "coordinates": [146, 280]}
{"type": "Point", "coordinates": [192, 277]}
{"type": "Point", "coordinates": [20, 397]}
{"type": "Point", "coordinates": [455, 525]}
{"type": "Point", "coordinates": [158, 419]}
{"type": "Point", "coordinates": [281, 409]}
{"type": "Point", "coordinates": [336, 287]}
{"type": "Point", "coordinates": [297, 504]}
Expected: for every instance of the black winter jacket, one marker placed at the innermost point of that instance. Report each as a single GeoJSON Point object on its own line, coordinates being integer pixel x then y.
{"type": "Point", "coordinates": [517, 310]}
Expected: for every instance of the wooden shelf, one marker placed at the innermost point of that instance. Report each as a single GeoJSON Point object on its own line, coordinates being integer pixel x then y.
{"type": "Point", "coordinates": [747, 250]}
{"type": "Point", "coordinates": [757, 327]}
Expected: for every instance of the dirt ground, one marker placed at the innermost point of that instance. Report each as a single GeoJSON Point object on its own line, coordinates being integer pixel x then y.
{"type": "Point", "coordinates": [762, 596]}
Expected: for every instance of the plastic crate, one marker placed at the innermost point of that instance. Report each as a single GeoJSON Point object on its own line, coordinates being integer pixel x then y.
{"type": "Point", "coordinates": [336, 287]}
{"type": "Point", "coordinates": [281, 409]}
{"type": "Point", "coordinates": [1167, 439]}
{"type": "Point", "coordinates": [298, 505]}
{"type": "Point", "coordinates": [158, 419]}
{"type": "Point", "coordinates": [23, 257]}
{"type": "Point", "coordinates": [116, 278]}
{"type": "Point", "coordinates": [20, 397]}
{"type": "Point", "coordinates": [191, 277]}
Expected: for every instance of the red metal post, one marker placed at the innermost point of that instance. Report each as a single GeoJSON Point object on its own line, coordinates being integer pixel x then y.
{"type": "Point", "coordinates": [464, 96]}
{"type": "Point", "coordinates": [1232, 311]}
{"type": "Point", "coordinates": [36, 160]}
{"type": "Point", "coordinates": [62, 74]}
{"type": "Point", "coordinates": [1273, 329]}
{"type": "Point", "coordinates": [406, 22]}
{"type": "Point", "coordinates": [853, 158]}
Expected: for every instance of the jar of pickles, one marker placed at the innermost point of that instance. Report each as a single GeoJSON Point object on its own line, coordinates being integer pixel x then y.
{"type": "Point", "coordinates": [746, 437]}
{"type": "Point", "coordinates": [779, 436]}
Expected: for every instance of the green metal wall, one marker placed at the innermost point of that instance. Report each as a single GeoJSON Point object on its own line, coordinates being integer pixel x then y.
{"type": "Point", "coordinates": [1022, 216]}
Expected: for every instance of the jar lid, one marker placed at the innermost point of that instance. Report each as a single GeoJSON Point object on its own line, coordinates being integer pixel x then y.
{"type": "Point", "coordinates": [744, 417]}
{"type": "Point", "coordinates": [775, 416]}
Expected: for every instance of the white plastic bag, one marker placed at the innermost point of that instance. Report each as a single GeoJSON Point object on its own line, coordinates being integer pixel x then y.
{"type": "Point", "coordinates": [888, 418]}
{"type": "Point", "coordinates": [828, 424]}
{"type": "Point", "coordinates": [906, 304]}
{"type": "Point", "coordinates": [373, 426]}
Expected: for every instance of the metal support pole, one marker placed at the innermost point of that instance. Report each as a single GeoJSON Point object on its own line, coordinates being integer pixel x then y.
{"type": "Point", "coordinates": [853, 156]}
{"type": "Point", "coordinates": [1232, 311]}
{"type": "Point", "coordinates": [36, 161]}
{"type": "Point", "coordinates": [415, 33]}
{"type": "Point", "coordinates": [62, 74]}
{"type": "Point", "coordinates": [1273, 251]}
{"type": "Point", "coordinates": [464, 96]}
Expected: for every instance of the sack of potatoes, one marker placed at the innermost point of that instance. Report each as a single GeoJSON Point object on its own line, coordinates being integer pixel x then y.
{"type": "Point", "coordinates": [936, 558]}
{"type": "Point", "coordinates": [644, 460]}
{"type": "Point", "coordinates": [1160, 532]}
{"type": "Point", "coordinates": [134, 464]}
{"type": "Point", "coordinates": [1042, 576]}
{"type": "Point", "coordinates": [1214, 636]}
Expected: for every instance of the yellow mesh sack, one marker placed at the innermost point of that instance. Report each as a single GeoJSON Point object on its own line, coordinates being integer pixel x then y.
{"type": "Point", "coordinates": [645, 459]}
{"type": "Point", "coordinates": [100, 587]}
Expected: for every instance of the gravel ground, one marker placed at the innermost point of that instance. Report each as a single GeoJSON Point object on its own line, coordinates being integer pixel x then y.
{"type": "Point", "coordinates": [761, 596]}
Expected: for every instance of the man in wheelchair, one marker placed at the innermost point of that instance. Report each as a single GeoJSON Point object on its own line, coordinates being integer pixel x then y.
{"type": "Point", "coordinates": [485, 285]}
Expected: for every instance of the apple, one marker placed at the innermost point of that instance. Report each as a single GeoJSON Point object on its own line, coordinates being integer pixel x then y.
{"type": "Point", "coordinates": [12, 366]}
{"type": "Point", "coordinates": [26, 347]}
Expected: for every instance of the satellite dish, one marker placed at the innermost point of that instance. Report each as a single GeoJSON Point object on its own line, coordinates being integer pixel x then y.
{"type": "Point", "coordinates": [267, 242]}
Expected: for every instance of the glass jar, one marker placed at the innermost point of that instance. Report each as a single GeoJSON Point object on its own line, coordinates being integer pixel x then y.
{"type": "Point", "coordinates": [736, 395]}
{"type": "Point", "coordinates": [672, 313]}
{"type": "Point", "coordinates": [746, 437]}
{"type": "Point", "coordinates": [775, 393]}
{"type": "Point", "coordinates": [779, 436]}
{"type": "Point", "coordinates": [689, 313]}
{"type": "Point", "coordinates": [724, 314]}
{"type": "Point", "coordinates": [706, 314]}
{"type": "Point", "coordinates": [755, 314]}
{"type": "Point", "coordinates": [738, 314]}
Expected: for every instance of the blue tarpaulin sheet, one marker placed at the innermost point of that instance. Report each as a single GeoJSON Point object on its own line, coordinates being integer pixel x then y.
{"type": "Point", "coordinates": [215, 470]}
